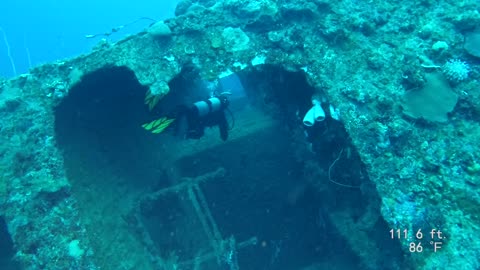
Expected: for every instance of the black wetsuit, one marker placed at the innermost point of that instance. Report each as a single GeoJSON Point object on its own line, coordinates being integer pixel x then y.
{"type": "Point", "coordinates": [192, 125]}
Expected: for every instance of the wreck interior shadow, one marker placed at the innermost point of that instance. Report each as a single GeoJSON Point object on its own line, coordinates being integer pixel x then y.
{"type": "Point", "coordinates": [276, 186]}
{"type": "Point", "coordinates": [273, 193]}
{"type": "Point", "coordinates": [108, 157]}
{"type": "Point", "coordinates": [98, 126]}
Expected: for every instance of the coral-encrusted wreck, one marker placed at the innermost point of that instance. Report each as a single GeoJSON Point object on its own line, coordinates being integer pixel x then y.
{"type": "Point", "coordinates": [84, 186]}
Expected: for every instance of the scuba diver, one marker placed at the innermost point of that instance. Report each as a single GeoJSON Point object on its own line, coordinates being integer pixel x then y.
{"type": "Point", "coordinates": [195, 105]}
{"type": "Point", "coordinates": [192, 120]}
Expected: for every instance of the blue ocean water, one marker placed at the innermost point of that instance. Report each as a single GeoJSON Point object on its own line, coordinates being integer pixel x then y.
{"type": "Point", "coordinates": [37, 32]}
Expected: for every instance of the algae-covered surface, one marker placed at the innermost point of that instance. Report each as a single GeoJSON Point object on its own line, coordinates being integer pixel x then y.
{"type": "Point", "coordinates": [90, 180]}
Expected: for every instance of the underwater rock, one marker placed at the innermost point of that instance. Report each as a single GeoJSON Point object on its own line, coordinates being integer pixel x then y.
{"type": "Point", "coordinates": [472, 43]}
{"type": "Point", "coordinates": [299, 10]}
{"type": "Point", "coordinates": [235, 39]}
{"type": "Point", "coordinates": [253, 11]}
{"type": "Point", "coordinates": [433, 101]}
{"type": "Point", "coordinates": [160, 29]}
{"type": "Point", "coordinates": [182, 7]}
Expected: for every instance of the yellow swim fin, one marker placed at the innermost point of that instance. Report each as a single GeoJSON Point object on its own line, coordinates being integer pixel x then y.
{"type": "Point", "coordinates": [154, 123]}
{"type": "Point", "coordinates": [162, 126]}
{"type": "Point", "coordinates": [158, 125]}
{"type": "Point", "coordinates": [152, 100]}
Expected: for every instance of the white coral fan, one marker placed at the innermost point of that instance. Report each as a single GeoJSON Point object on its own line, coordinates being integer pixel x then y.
{"type": "Point", "coordinates": [456, 70]}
